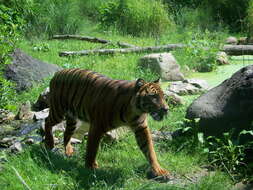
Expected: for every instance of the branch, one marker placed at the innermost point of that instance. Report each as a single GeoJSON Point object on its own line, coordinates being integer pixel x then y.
{"type": "Point", "coordinates": [90, 39]}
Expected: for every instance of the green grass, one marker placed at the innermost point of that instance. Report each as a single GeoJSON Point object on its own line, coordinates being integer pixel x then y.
{"type": "Point", "coordinates": [122, 166]}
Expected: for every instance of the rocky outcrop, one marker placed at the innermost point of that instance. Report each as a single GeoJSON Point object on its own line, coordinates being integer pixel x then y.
{"type": "Point", "coordinates": [25, 70]}
{"type": "Point", "coordinates": [227, 106]}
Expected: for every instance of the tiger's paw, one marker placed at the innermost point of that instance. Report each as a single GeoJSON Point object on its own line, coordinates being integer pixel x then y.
{"type": "Point", "coordinates": [160, 174]}
{"type": "Point", "coordinates": [69, 150]}
{"type": "Point", "coordinates": [93, 165]}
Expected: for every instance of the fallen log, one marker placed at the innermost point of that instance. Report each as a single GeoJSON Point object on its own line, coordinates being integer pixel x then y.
{"type": "Point", "coordinates": [91, 39]}
{"type": "Point", "coordinates": [149, 49]}
{"type": "Point", "coordinates": [229, 49]}
{"type": "Point", "coordinates": [238, 49]}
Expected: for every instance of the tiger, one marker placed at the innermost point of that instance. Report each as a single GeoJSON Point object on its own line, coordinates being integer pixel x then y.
{"type": "Point", "coordinates": [106, 104]}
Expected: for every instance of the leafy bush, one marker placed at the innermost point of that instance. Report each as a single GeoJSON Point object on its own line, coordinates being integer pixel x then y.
{"type": "Point", "coordinates": [135, 17]}
{"type": "Point", "coordinates": [201, 51]}
{"type": "Point", "coordinates": [250, 19]}
{"type": "Point", "coordinates": [228, 154]}
{"type": "Point", "coordinates": [50, 16]}
{"type": "Point", "coordinates": [231, 12]}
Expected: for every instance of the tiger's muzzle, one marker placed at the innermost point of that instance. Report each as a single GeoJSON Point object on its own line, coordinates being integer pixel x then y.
{"type": "Point", "coordinates": [158, 115]}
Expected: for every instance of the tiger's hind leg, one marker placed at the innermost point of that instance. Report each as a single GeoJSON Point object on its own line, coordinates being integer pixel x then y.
{"type": "Point", "coordinates": [69, 131]}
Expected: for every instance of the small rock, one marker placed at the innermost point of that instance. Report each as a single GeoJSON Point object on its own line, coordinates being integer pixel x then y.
{"type": "Point", "coordinates": [6, 116]}
{"type": "Point", "coordinates": [172, 98]}
{"type": "Point", "coordinates": [199, 83]}
{"type": "Point", "coordinates": [232, 40]}
{"type": "Point", "coordinates": [181, 88]}
{"type": "Point", "coordinates": [161, 135]}
{"type": "Point", "coordinates": [41, 114]}
{"type": "Point", "coordinates": [16, 147]}
{"type": "Point", "coordinates": [188, 87]}
{"type": "Point", "coordinates": [25, 112]}
{"type": "Point", "coordinates": [7, 141]}
{"type": "Point", "coordinates": [222, 58]}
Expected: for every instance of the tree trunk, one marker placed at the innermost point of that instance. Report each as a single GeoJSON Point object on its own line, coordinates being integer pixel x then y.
{"type": "Point", "coordinates": [150, 49]}
{"type": "Point", "coordinates": [238, 49]}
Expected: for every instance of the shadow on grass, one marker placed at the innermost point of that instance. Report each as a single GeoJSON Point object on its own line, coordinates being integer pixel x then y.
{"type": "Point", "coordinates": [85, 178]}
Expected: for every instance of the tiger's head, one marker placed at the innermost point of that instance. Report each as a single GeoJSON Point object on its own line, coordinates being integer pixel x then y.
{"type": "Point", "coordinates": [150, 99]}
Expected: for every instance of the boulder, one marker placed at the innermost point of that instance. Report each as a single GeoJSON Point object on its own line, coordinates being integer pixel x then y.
{"type": "Point", "coordinates": [227, 106]}
{"type": "Point", "coordinates": [231, 40]}
{"type": "Point", "coordinates": [187, 87]}
{"type": "Point", "coordinates": [222, 58]}
{"type": "Point", "coordinates": [25, 70]}
{"type": "Point", "coordinates": [163, 64]}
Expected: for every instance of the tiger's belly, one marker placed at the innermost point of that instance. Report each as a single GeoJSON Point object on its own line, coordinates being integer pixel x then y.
{"type": "Point", "coordinates": [82, 128]}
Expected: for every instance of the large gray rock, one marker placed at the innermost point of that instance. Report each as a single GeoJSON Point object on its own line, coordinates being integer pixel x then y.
{"type": "Point", "coordinates": [227, 106]}
{"type": "Point", "coordinates": [25, 70]}
{"type": "Point", "coordinates": [163, 64]}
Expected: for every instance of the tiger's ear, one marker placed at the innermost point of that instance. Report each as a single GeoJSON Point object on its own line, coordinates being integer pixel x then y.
{"type": "Point", "coordinates": [158, 81]}
{"type": "Point", "coordinates": [139, 83]}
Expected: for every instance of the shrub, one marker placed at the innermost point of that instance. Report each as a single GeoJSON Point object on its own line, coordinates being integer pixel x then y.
{"type": "Point", "coordinates": [50, 17]}
{"type": "Point", "coordinates": [231, 12]}
{"type": "Point", "coordinates": [10, 26]}
{"type": "Point", "coordinates": [135, 17]}
{"type": "Point", "coordinates": [250, 19]}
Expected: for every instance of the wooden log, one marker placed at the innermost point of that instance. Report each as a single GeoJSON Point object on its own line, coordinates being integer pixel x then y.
{"type": "Point", "coordinates": [150, 49]}
{"type": "Point", "coordinates": [238, 49]}
{"type": "Point", "coordinates": [90, 39]}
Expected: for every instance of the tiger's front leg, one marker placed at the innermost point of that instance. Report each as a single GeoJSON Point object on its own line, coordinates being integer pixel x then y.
{"type": "Point", "coordinates": [145, 143]}
{"type": "Point", "coordinates": [94, 138]}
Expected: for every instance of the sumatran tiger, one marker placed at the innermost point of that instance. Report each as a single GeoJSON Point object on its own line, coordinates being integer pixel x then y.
{"type": "Point", "coordinates": [105, 104]}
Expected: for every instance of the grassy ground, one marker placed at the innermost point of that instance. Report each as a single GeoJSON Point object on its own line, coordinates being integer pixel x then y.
{"type": "Point", "coordinates": [122, 166]}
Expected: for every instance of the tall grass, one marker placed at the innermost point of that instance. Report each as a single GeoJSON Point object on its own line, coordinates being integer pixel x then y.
{"type": "Point", "coordinates": [129, 16]}
{"type": "Point", "coordinates": [49, 17]}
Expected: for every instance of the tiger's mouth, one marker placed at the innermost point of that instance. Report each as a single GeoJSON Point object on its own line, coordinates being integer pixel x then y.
{"type": "Point", "coordinates": [157, 116]}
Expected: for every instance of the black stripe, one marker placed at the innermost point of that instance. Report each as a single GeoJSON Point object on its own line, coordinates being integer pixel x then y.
{"type": "Point", "coordinates": [140, 130]}
{"type": "Point", "coordinates": [143, 145]}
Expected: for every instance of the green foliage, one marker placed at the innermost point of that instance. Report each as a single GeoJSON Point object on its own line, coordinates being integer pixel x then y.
{"type": "Point", "coordinates": [201, 52]}
{"type": "Point", "coordinates": [49, 17]}
{"type": "Point", "coordinates": [250, 19]}
{"type": "Point", "coordinates": [10, 26]}
{"type": "Point", "coordinates": [231, 12]}
{"type": "Point", "coordinates": [135, 17]}
{"type": "Point", "coordinates": [228, 154]}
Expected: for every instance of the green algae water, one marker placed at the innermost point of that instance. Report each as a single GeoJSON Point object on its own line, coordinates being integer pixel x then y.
{"type": "Point", "coordinates": [223, 72]}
